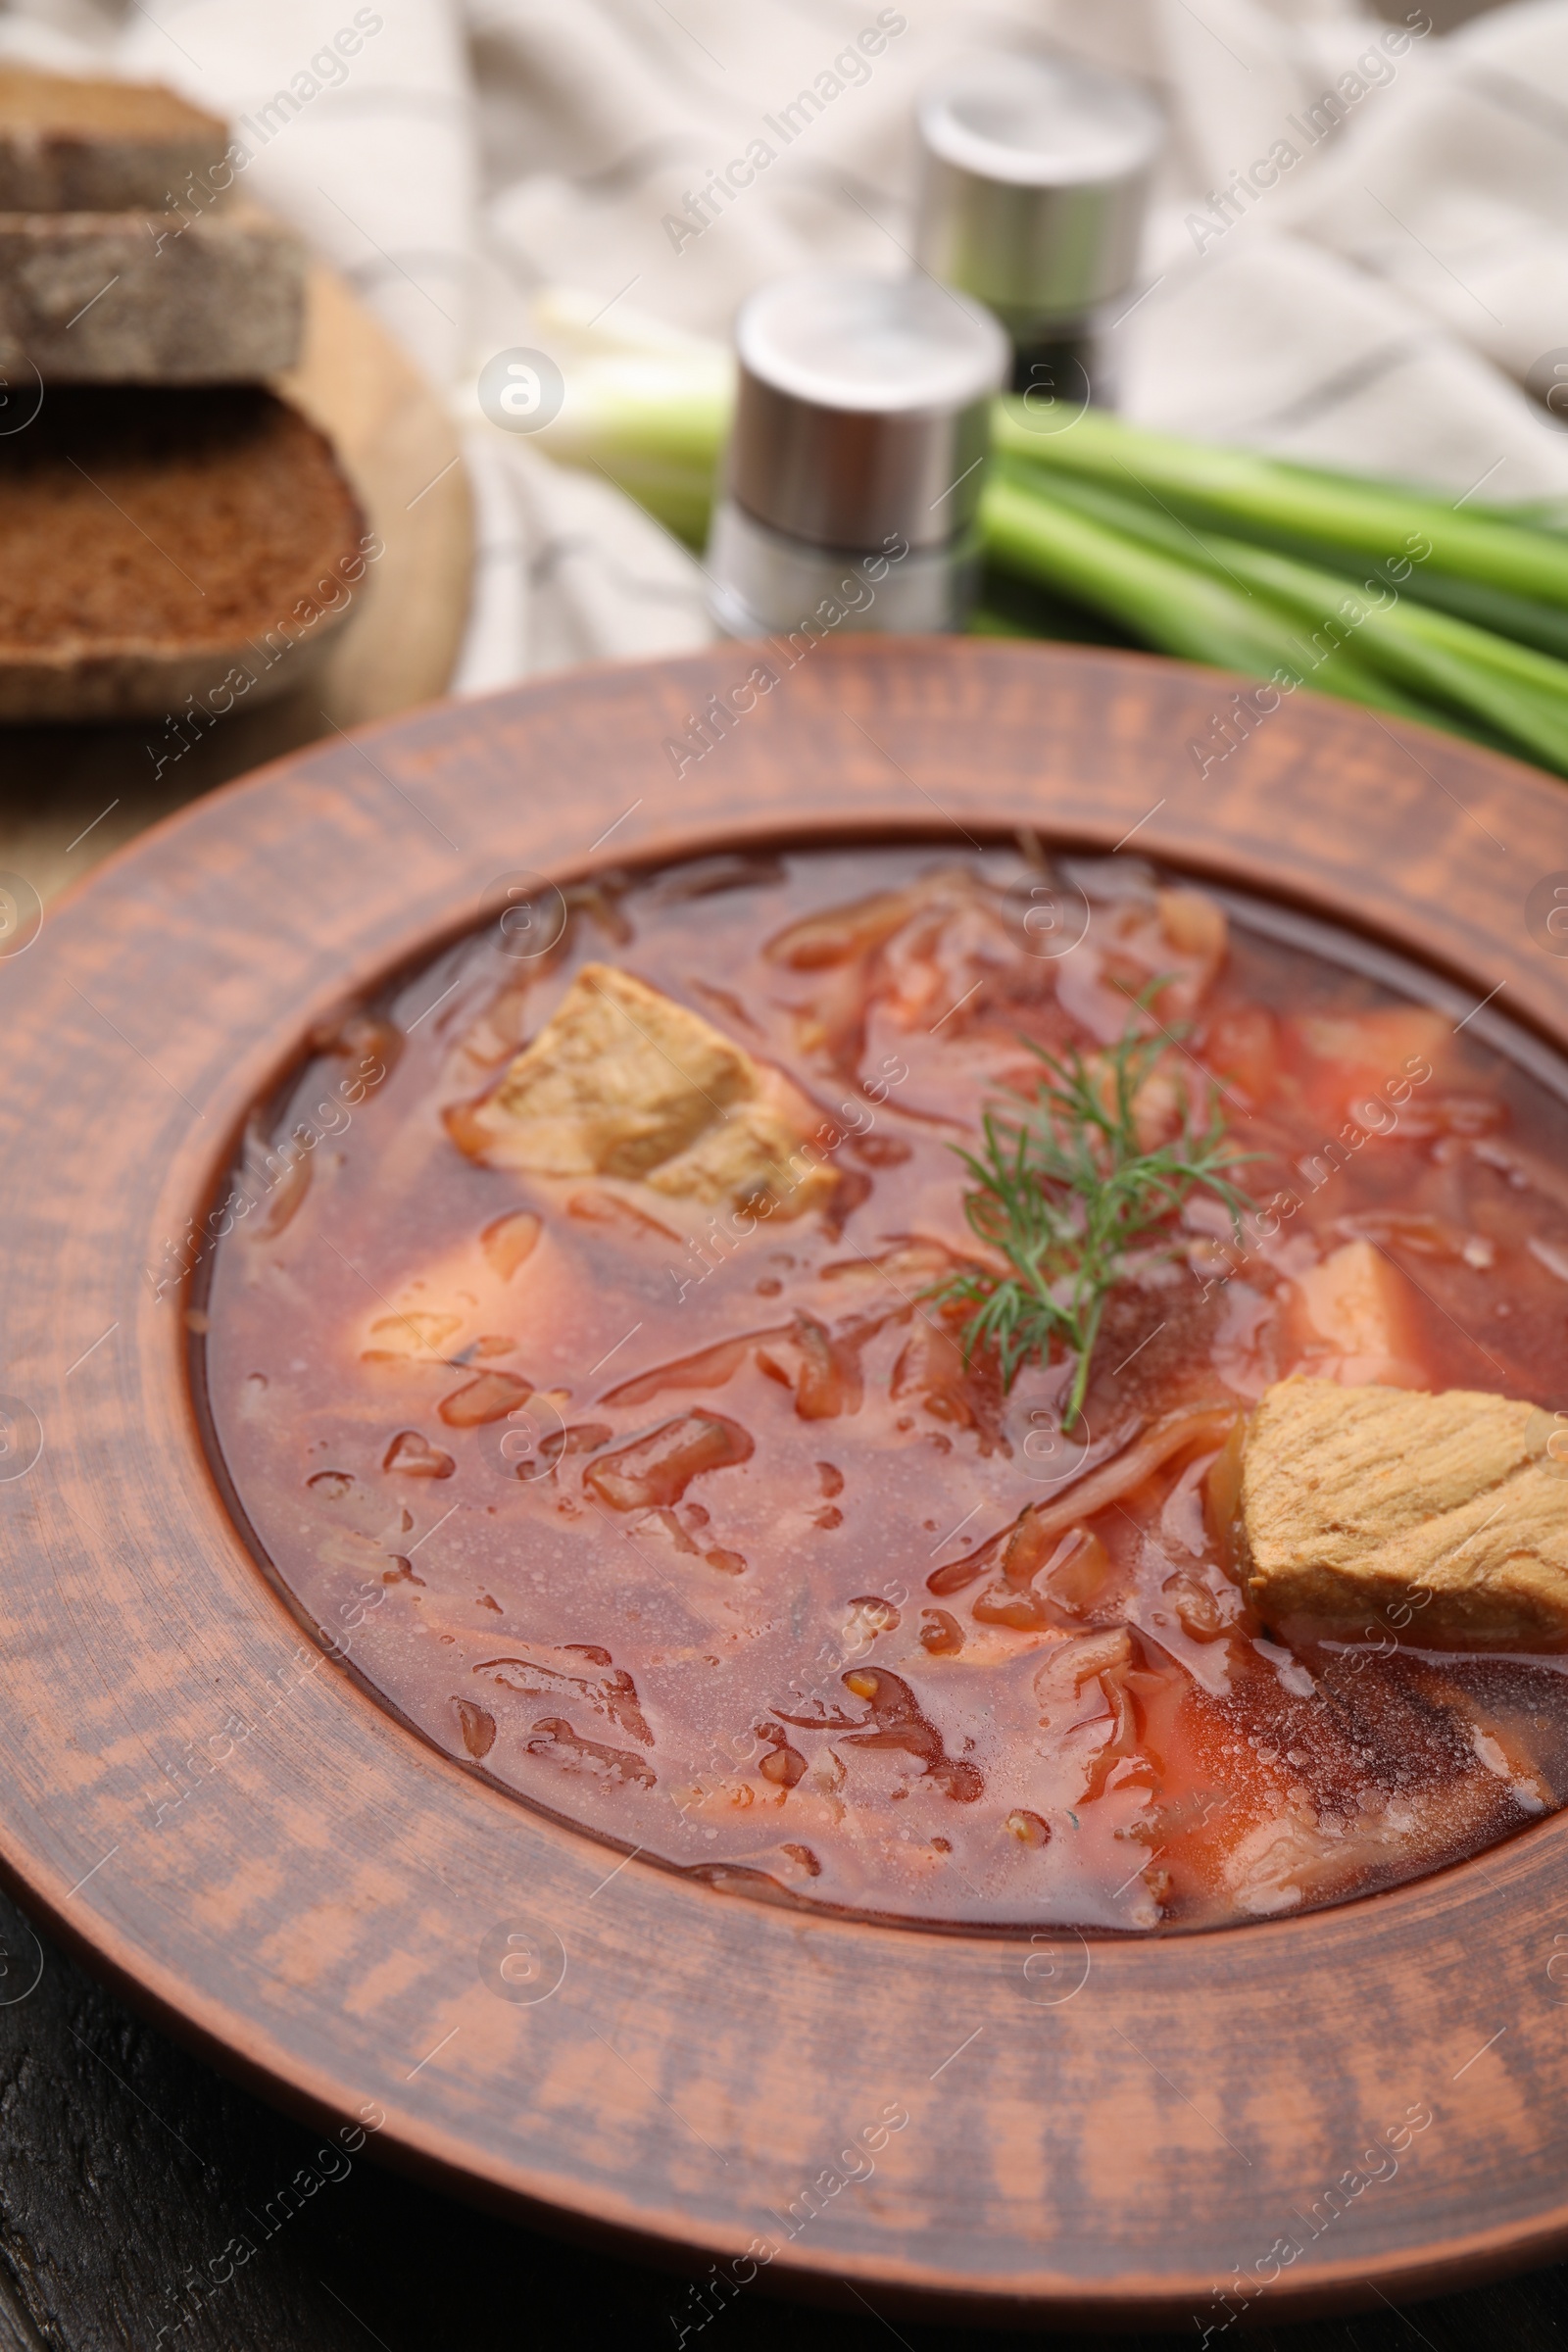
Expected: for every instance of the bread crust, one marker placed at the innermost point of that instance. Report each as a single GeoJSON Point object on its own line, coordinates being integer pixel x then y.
{"type": "Point", "coordinates": [143, 298]}
{"type": "Point", "coordinates": [168, 545]}
{"type": "Point", "coordinates": [84, 145]}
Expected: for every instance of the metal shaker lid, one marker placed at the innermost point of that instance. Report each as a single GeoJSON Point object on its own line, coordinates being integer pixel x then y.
{"type": "Point", "coordinates": [1035, 183]}
{"type": "Point", "coordinates": [862, 410]}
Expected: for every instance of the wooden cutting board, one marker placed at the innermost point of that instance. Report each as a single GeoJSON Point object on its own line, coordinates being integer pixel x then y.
{"type": "Point", "coordinates": [68, 795]}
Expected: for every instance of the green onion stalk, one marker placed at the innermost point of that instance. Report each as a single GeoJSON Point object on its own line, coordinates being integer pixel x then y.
{"type": "Point", "coordinates": [1383, 594]}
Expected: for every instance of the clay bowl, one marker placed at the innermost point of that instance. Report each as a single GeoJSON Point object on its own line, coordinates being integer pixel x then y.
{"type": "Point", "coordinates": [218, 1819]}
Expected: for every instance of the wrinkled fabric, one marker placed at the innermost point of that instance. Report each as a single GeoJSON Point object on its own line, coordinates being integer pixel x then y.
{"type": "Point", "coordinates": [1358, 252]}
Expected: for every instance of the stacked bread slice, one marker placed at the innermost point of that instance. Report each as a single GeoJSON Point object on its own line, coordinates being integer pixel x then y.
{"type": "Point", "coordinates": [177, 538]}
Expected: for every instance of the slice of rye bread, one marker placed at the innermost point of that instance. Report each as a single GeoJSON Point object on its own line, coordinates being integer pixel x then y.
{"type": "Point", "coordinates": [214, 297]}
{"type": "Point", "coordinates": [170, 551]}
{"type": "Point", "coordinates": [70, 145]}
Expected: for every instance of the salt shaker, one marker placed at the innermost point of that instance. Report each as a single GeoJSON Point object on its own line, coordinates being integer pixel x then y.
{"type": "Point", "coordinates": [1035, 178]}
{"type": "Point", "coordinates": [853, 470]}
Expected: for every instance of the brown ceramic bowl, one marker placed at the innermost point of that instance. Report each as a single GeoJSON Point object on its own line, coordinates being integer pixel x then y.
{"type": "Point", "coordinates": [223, 1822]}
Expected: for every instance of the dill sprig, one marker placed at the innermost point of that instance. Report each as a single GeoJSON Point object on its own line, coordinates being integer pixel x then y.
{"type": "Point", "coordinates": [1065, 1194]}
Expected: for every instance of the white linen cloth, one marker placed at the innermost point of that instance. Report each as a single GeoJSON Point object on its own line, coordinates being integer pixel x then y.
{"type": "Point", "coordinates": [1377, 308]}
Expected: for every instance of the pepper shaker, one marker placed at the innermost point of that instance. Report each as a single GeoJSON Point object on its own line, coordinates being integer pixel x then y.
{"type": "Point", "coordinates": [1034, 179]}
{"type": "Point", "coordinates": [852, 476]}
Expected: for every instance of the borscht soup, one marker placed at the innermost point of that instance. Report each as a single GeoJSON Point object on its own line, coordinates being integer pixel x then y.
{"type": "Point", "coordinates": [931, 1381]}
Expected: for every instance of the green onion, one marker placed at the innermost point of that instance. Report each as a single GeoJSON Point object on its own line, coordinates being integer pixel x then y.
{"type": "Point", "coordinates": [1175, 600]}
{"type": "Point", "coordinates": [1102, 530]}
{"type": "Point", "coordinates": [1373, 521]}
{"type": "Point", "coordinates": [1330, 635]}
{"type": "Point", "coordinates": [651, 422]}
{"type": "Point", "coordinates": [1504, 611]}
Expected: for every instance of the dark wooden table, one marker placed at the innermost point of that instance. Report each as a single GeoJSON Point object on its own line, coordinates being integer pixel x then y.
{"type": "Point", "coordinates": [126, 2166]}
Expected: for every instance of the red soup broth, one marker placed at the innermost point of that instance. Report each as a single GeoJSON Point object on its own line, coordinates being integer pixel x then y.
{"type": "Point", "coordinates": [692, 1526]}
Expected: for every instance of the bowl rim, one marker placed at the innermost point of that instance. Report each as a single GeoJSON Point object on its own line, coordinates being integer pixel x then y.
{"type": "Point", "coordinates": [289, 2013]}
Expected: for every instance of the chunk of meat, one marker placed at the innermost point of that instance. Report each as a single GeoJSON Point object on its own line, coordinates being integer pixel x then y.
{"type": "Point", "coordinates": [624, 1082]}
{"type": "Point", "coordinates": [1354, 1319]}
{"type": "Point", "coordinates": [1443, 1514]}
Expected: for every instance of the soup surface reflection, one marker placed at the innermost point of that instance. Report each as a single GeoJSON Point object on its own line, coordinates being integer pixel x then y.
{"type": "Point", "coordinates": [632, 1448]}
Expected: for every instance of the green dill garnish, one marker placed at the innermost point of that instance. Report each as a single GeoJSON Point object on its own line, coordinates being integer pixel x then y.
{"type": "Point", "coordinates": [1065, 1193]}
